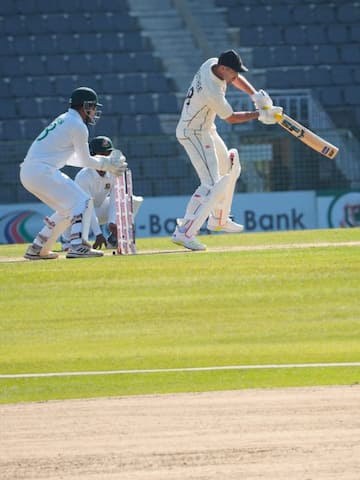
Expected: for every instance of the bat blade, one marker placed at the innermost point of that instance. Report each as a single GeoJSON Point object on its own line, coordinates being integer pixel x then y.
{"type": "Point", "coordinates": [307, 136]}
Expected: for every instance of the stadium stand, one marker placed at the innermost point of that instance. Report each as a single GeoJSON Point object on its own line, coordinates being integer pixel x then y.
{"type": "Point", "coordinates": [50, 48]}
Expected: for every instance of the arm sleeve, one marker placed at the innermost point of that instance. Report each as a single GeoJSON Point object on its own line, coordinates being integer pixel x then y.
{"type": "Point", "coordinates": [82, 157]}
{"type": "Point", "coordinates": [221, 106]}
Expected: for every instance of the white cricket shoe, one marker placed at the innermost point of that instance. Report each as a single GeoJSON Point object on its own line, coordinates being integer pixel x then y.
{"type": "Point", "coordinates": [33, 253]}
{"type": "Point", "coordinates": [83, 250]}
{"type": "Point", "coordinates": [229, 226]}
{"type": "Point", "coordinates": [188, 242]}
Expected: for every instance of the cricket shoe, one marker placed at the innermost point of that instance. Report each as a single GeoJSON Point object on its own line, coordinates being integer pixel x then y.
{"type": "Point", "coordinates": [188, 242]}
{"type": "Point", "coordinates": [229, 226]}
{"type": "Point", "coordinates": [83, 250]}
{"type": "Point", "coordinates": [33, 253]}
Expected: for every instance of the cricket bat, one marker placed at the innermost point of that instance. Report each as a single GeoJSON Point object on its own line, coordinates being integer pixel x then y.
{"type": "Point", "coordinates": [307, 136]}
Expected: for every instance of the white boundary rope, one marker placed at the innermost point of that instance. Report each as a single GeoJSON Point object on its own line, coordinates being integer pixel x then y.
{"type": "Point", "coordinates": [174, 370]}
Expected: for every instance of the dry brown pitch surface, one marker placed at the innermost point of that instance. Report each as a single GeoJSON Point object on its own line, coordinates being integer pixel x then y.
{"type": "Point", "coordinates": [272, 434]}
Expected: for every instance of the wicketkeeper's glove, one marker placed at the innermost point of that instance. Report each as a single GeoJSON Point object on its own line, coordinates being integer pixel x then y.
{"type": "Point", "coordinates": [115, 163]}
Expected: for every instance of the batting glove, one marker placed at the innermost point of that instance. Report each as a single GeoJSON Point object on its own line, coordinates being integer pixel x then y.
{"type": "Point", "coordinates": [262, 100]}
{"type": "Point", "coordinates": [268, 117]}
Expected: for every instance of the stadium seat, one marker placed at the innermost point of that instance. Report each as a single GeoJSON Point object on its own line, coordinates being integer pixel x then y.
{"type": "Point", "coordinates": [316, 34]}
{"type": "Point", "coordinates": [307, 55]}
{"type": "Point", "coordinates": [34, 65]}
{"type": "Point", "coordinates": [146, 62]}
{"type": "Point", "coordinates": [352, 95]}
{"type": "Point", "coordinates": [168, 103]}
{"type": "Point", "coordinates": [18, 45]}
{"type": "Point", "coordinates": [108, 125]}
{"type": "Point", "coordinates": [8, 108]}
{"type": "Point", "coordinates": [149, 125]}
{"type": "Point", "coordinates": [144, 103]}
{"type": "Point", "coordinates": [349, 13]}
{"type": "Point", "coordinates": [154, 167]}
{"type": "Point", "coordinates": [78, 62]}
{"type": "Point", "coordinates": [12, 129]}
{"type": "Point", "coordinates": [109, 42]}
{"type": "Point", "coordinates": [135, 83]}
{"type": "Point", "coordinates": [324, 13]}
{"type": "Point", "coordinates": [272, 35]}
{"type": "Point", "coordinates": [280, 14]}
{"type": "Point", "coordinates": [350, 53]}
{"type": "Point", "coordinates": [65, 84]}
{"type": "Point", "coordinates": [343, 75]}
{"type": "Point", "coordinates": [57, 64]}
{"type": "Point", "coordinates": [29, 107]}
{"type": "Point", "coordinates": [117, 104]}
{"type": "Point", "coordinates": [128, 126]}
{"type": "Point", "coordinates": [318, 75]}
{"type": "Point", "coordinates": [355, 33]}
{"type": "Point", "coordinates": [38, 25]}
{"type": "Point", "coordinates": [156, 83]}
{"type": "Point", "coordinates": [12, 66]}
{"type": "Point", "coordinates": [338, 33]}
{"type": "Point", "coordinates": [33, 127]}
{"type": "Point", "coordinates": [5, 87]}
{"type": "Point", "coordinates": [51, 107]}
{"type": "Point", "coordinates": [15, 25]}
{"type": "Point", "coordinates": [59, 22]}
{"type": "Point", "coordinates": [327, 54]}
{"type": "Point", "coordinates": [113, 83]}
{"type": "Point", "coordinates": [331, 96]}
{"type": "Point", "coordinates": [250, 36]}
{"type": "Point", "coordinates": [39, 86]}
{"type": "Point", "coordinates": [82, 23]}
{"type": "Point", "coordinates": [296, 35]}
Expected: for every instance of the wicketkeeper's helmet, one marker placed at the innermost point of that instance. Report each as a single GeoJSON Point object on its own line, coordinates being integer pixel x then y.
{"type": "Point", "coordinates": [100, 146]}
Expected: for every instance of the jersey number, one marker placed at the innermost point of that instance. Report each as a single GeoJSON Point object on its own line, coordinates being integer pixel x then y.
{"type": "Point", "coordinates": [189, 95]}
{"type": "Point", "coordinates": [48, 129]}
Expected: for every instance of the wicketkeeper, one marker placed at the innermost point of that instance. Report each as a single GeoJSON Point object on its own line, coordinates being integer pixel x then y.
{"type": "Point", "coordinates": [217, 167]}
{"type": "Point", "coordinates": [99, 185]}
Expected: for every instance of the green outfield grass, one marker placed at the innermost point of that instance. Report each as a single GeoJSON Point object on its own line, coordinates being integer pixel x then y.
{"type": "Point", "coordinates": [175, 310]}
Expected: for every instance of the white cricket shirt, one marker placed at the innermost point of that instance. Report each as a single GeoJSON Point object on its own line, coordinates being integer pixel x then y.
{"type": "Point", "coordinates": [96, 186]}
{"type": "Point", "coordinates": [63, 142]}
{"type": "Point", "coordinates": [205, 99]}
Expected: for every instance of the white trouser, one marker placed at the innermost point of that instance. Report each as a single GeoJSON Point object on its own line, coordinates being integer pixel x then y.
{"type": "Point", "coordinates": [210, 158]}
{"type": "Point", "coordinates": [53, 188]}
{"type": "Point", "coordinates": [56, 190]}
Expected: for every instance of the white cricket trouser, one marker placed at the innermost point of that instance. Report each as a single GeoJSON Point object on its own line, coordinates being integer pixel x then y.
{"type": "Point", "coordinates": [63, 195]}
{"type": "Point", "coordinates": [208, 154]}
{"type": "Point", "coordinates": [210, 158]}
{"type": "Point", "coordinates": [53, 188]}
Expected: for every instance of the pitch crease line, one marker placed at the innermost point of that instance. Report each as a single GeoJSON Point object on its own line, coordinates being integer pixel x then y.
{"type": "Point", "coordinates": [174, 370]}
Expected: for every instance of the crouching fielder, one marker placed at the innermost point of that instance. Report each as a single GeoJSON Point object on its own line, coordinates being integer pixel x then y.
{"type": "Point", "coordinates": [65, 142]}
{"type": "Point", "coordinates": [99, 185]}
{"type": "Point", "coordinates": [217, 167]}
